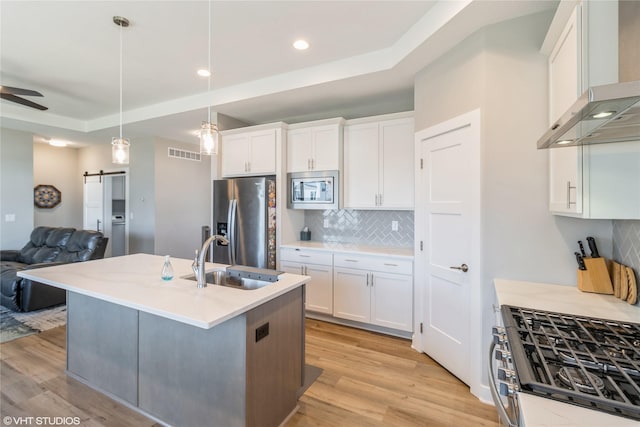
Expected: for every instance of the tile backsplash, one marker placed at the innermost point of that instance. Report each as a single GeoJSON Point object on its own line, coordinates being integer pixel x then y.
{"type": "Point", "coordinates": [626, 244]}
{"type": "Point", "coordinates": [361, 227]}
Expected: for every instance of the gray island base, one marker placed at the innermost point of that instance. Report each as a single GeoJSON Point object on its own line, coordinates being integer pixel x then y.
{"type": "Point", "coordinates": [181, 375]}
{"type": "Point", "coordinates": [182, 355]}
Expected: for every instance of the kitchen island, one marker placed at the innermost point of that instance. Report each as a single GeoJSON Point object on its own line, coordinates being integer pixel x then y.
{"type": "Point", "coordinates": [215, 356]}
{"type": "Point", "coordinates": [536, 411]}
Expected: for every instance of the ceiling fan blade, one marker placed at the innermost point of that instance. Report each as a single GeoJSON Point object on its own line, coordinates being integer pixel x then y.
{"type": "Point", "coordinates": [19, 91]}
{"type": "Point", "coordinates": [26, 102]}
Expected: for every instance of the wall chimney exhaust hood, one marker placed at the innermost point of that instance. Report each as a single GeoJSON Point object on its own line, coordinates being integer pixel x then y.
{"type": "Point", "coordinates": [603, 114]}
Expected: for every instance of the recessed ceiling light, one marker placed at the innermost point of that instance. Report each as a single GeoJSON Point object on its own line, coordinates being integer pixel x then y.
{"type": "Point", "coordinates": [301, 44]}
{"type": "Point", "coordinates": [603, 114]}
{"type": "Point", "coordinates": [566, 141]}
{"type": "Point", "coordinates": [57, 143]}
{"type": "Point", "coordinates": [204, 73]}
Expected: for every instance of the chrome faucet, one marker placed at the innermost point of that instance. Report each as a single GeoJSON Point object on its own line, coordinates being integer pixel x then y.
{"type": "Point", "coordinates": [198, 262]}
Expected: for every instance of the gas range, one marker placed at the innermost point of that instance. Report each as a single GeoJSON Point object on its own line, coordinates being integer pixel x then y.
{"type": "Point", "coordinates": [589, 362]}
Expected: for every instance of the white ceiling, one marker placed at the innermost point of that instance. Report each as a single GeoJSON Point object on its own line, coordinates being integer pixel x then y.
{"type": "Point", "coordinates": [362, 60]}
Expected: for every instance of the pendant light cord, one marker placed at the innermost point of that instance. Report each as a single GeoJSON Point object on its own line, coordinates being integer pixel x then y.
{"type": "Point", "coordinates": [209, 65]}
{"type": "Point", "coordinates": [120, 81]}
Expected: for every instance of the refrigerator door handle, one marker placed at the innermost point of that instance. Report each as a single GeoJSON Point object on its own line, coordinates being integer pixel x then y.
{"type": "Point", "coordinates": [231, 221]}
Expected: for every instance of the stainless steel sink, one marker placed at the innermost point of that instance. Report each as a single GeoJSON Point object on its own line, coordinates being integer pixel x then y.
{"type": "Point", "coordinates": [223, 279]}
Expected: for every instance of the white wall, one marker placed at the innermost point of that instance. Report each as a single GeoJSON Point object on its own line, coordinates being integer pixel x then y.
{"type": "Point", "coordinates": [58, 166]}
{"type": "Point", "coordinates": [142, 195]}
{"type": "Point", "coordinates": [501, 71]}
{"type": "Point", "coordinates": [183, 200]}
{"type": "Point", "coordinates": [16, 188]}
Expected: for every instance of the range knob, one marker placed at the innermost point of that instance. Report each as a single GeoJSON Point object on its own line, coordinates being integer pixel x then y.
{"type": "Point", "coordinates": [499, 335]}
{"type": "Point", "coordinates": [503, 355]}
{"type": "Point", "coordinates": [508, 389]}
{"type": "Point", "coordinates": [505, 374]}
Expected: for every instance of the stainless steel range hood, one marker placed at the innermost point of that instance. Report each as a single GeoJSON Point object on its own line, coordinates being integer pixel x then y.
{"type": "Point", "coordinates": [603, 114]}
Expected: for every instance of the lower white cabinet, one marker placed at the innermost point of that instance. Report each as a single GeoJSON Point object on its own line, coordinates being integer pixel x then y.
{"type": "Point", "coordinates": [318, 265]}
{"type": "Point", "coordinates": [372, 289]}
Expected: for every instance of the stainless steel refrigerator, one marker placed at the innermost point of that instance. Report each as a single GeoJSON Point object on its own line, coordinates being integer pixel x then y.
{"type": "Point", "coordinates": [244, 211]}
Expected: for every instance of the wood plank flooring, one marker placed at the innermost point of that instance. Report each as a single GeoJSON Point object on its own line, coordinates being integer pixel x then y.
{"type": "Point", "coordinates": [368, 379]}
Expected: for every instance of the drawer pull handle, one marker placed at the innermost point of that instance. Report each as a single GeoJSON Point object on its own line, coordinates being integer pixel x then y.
{"type": "Point", "coordinates": [351, 260]}
{"type": "Point", "coordinates": [305, 256]}
{"type": "Point", "coordinates": [391, 265]}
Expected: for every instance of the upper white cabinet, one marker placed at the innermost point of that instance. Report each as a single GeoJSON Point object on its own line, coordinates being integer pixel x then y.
{"type": "Point", "coordinates": [378, 162]}
{"type": "Point", "coordinates": [592, 181]}
{"type": "Point", "coordinates": [565, 85]}
{"type": "Point", "coordinates": [315, 146]}
{"type": "Point", "coordinates": [249, 153]}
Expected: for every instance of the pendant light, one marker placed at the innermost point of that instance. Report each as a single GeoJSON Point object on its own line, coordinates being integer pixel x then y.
{"type": "Point", "coordinates": [120, 146]}
{"type": "Point", "coordinates": [208, 130]}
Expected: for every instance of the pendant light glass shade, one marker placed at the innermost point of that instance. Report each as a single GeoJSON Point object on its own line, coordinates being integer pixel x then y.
{"type": "Point", "coordinates": [209, 139]}
{"type": "Point", "coordinates": [120, 151]}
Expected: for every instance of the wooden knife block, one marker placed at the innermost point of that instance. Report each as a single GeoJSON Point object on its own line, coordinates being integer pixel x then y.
{"type": "Point", "coordinates": [596, 277]}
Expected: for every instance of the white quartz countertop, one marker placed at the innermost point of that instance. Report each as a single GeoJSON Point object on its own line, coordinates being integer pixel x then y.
{"type": "Point", "coordinates": [564, 299]}
{"type": "Point", "coordinates": [134, 281]}
{"type": "Point", "coordinates": [539, 411]}
{"type": "Point", "coordinates": [351, 248]}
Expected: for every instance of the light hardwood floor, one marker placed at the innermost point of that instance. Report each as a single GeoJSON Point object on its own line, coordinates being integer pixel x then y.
{"type": "Point", "coordinates": [368, 379]}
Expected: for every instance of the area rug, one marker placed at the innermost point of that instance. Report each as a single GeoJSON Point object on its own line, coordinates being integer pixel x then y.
{"type": "Point", "coordinates": [15, 325]}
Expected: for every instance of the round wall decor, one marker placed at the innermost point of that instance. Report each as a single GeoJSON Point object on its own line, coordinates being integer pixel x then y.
{"type": "Point", "coordinates": [46, 196]}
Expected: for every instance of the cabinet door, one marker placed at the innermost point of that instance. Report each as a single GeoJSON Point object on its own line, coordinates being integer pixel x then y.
{"type": "Point", "coordinates": [351, 295]}
{"type": "Point", "coordinates": [320, 289]}
{"type": "Point", "coordinates": [565, 75]}
{"type": "Point", "coordinates": [565, 180]}
{"type": "Point", "coordinates": [299, 150]}
{"type": "Point", "coordinates": [396, 160]}
{"type": "Point", "coordinates": [326, 148]}
{"type": "Point", "coordinates": [235, 151]}
{"type": "Point", "coordinates": [392, 301]}
{"type": "Point", "coordinates": [262, 149]}
{"type": "Point", "coordinates": [292, 267]}
{"type": "Point", "coordinates": [361, 166]}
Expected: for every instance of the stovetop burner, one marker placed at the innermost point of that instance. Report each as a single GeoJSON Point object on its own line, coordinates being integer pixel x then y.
{"type": "Point", "coordinates": [576, 359]}
{"type": "Point", "coordinates": [582, 381]}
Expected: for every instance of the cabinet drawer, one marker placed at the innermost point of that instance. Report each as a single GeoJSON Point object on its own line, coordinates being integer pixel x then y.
{"type": "Point", "coordinates": [306, 256]}
{"type": "Point", "coordinates": [374, 263]}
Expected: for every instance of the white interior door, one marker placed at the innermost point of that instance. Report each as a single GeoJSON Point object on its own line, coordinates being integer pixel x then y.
{"type": "Point", "coordinates": [449, 218]}
{"type": "Point", "coordinates": [93, 203]}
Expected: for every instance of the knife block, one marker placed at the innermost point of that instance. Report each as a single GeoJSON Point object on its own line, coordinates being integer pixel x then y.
{"type": "Point", "coordinates": [596, 277]}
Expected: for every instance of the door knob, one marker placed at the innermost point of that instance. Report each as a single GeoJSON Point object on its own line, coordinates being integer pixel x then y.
{"type": "Point", "coordinates": [463, 267]}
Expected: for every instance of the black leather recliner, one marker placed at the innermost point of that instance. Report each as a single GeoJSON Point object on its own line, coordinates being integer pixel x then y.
{"type": "Point", "coordinates": [47, 246]}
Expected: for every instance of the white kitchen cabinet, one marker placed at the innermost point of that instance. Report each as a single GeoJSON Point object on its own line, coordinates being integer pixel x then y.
{"type": "Point", "coordinates": [351, 294]}
{"type": "Point", "coordinates": [596, 181]}
{"type": "Point", "coordinates": [373, 289]}
{"type": "Point", "coordinates": [318, 265]}
{"type": "Point", "coordinates": [378, 163]}
{"type": "Point", "coordinates": [315, 146]}
{"type": "Point", "coordinates": [565, 85]}
{"type": "Point", "coordinates": [249, 153]}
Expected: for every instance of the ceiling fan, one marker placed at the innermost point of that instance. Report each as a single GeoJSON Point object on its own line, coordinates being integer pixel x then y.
{"type": "Point", "coordinates": [10, 94]}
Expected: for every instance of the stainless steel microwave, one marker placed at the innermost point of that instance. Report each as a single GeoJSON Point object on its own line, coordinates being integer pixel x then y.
{"type": "Point", "coordinates": [313, 190]}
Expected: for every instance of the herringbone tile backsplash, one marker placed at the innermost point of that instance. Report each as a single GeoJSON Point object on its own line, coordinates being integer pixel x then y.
{"type": "Point", "coordinates": [626, 244]}
{"type": "Point", "coordinates": [361, 227]}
